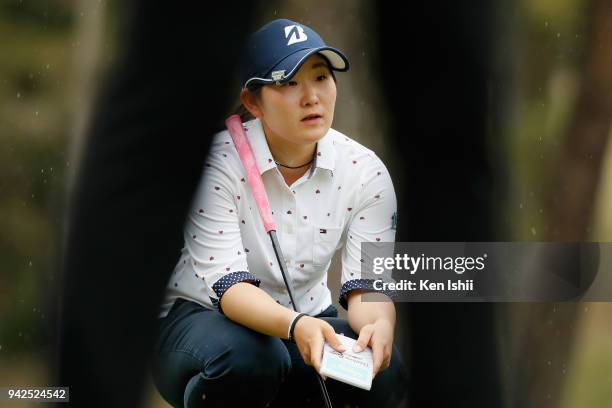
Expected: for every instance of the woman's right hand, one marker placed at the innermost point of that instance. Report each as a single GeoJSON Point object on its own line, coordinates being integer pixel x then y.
{"type": "Point", "coordinates": [310, 334]}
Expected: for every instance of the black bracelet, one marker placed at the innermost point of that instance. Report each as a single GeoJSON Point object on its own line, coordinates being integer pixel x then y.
{"type": "Point", "coordinates": [298, 317]}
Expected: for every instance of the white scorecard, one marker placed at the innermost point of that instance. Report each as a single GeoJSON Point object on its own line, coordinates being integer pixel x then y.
{"type": "Point", "coordinates": [349, 367]}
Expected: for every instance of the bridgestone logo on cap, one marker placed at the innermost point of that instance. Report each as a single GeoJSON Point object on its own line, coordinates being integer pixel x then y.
{"type": "Point", "coordinates": [297, 34]}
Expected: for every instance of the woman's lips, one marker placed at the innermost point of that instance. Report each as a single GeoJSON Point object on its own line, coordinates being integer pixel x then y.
{"type": "Point", "coordinates": [312, 120]}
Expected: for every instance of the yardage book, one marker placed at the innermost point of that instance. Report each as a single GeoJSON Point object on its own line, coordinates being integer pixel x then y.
{"type": "Point", "coordinates": [349, 367]}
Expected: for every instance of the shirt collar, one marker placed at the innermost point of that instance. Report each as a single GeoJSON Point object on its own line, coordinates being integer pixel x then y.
{"type": "Point", "coordinates": [259, 145]}
{"type": "Point", "coordinates": [324, 158]}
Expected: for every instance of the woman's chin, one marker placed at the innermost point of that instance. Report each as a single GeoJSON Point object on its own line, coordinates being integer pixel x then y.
{"type": "Point", "coordinates": [314, 134]}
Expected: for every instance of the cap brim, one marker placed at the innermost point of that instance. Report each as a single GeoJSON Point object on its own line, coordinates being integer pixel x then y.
{"type": "Point", "coordinates": [292, 63]}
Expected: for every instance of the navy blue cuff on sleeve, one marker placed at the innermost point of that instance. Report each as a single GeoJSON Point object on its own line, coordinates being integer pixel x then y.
{"type": "Point", "coordinates": [227, 281]}
{"type": "Point", "coordinates": [366, 285]}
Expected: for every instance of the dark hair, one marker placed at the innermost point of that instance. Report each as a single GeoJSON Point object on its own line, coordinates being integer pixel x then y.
{"type": "Point", "coordinates": [244, 113]}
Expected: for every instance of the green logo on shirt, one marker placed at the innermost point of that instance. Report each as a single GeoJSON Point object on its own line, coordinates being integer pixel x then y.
{"type": "Point", "coordinates": [394, 221]}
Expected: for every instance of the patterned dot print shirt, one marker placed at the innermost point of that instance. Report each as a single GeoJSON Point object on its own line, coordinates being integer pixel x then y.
{"type": "Point", "coordinates": [346, 198]}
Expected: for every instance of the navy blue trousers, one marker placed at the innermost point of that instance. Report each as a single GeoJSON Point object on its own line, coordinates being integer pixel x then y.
{"type": "Point", "coordinates": [203, 359]}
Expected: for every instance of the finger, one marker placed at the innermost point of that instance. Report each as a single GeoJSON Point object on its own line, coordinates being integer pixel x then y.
{"type": "Point", "coordinates": [316, 352]}
{"type": "Point", "coordinates": [332, 339]}
{"type": "Point", "coordinates": [387, 359]}
{"type": "Point", "coordinates": [386, 363]}
{"type": "Point", "coordinates": [304, 351]}
{"type": "Point", "coordinates": [377, 357]}
{"type": "Point", "coordinates": [364, 338]}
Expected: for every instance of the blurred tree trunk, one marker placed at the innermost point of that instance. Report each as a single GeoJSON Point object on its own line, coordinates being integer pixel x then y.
{"type": "Point", "coordinates": [546, 349]}
{"type": "Point", "coordinates": [575, 185]}
{"type": "Point", "coordinates": [447, 188]}
{"type": "Point", "coordinates": [89, 16]}
{"type": "Point", "coordinates": [86, 42]}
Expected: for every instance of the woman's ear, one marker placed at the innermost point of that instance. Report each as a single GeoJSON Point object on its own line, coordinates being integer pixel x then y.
{"type": "Point", "coordinates": [250, 103]}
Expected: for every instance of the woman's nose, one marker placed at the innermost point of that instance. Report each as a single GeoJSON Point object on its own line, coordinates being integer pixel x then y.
{"type": "Point", "coordinates": [310, 96]}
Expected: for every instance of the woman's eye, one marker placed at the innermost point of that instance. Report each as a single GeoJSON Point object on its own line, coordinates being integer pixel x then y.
{"type": "Point", "coordinates": [321, 77]}
{"type": "Point", "coordinates": [292, 83]}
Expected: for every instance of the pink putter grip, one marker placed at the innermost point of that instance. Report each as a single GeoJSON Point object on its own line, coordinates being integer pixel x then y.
{"type": "Point", "coordinates": [234, 125]}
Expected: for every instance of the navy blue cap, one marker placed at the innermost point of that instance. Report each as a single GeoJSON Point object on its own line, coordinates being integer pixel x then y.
{"type": "Point", "coordinates": [276, 51]}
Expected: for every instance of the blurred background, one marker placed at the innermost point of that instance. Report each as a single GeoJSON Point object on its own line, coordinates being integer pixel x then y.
{"type": "Point", "coordinates": [551, 64]}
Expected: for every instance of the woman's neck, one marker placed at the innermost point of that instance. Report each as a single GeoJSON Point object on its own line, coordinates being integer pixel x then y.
{"type": "Point", "coordinates": [289, 154]}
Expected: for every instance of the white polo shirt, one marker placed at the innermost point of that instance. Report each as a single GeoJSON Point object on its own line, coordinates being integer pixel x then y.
{"type": "Point", "coordinates": [346, 198]}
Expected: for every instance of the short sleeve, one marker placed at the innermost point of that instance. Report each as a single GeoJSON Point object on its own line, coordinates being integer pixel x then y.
{"type": "Point", "coordinates": [373, 221]}
{"type": "Point", "coordinates": [212, 233]}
